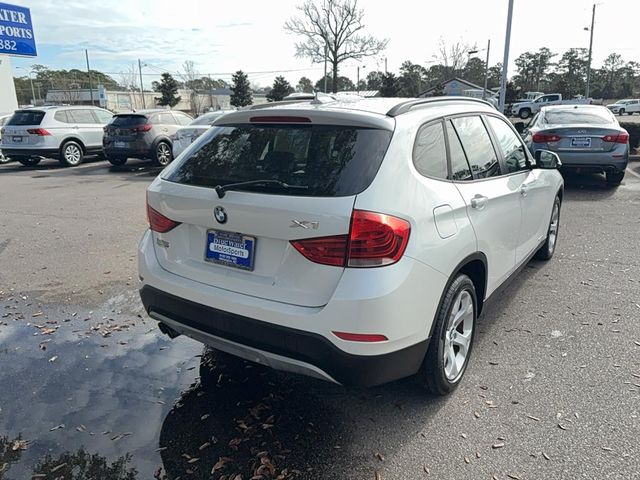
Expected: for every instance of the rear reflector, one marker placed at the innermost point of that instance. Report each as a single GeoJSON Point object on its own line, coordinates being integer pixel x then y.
{"type": "Point", "coordinates": [279, 119]}
{"type": "Point", "coordinates": [38, 131]}
{"type": "Point", "coordinates": [158, 222]}
{"type": "Point", "coordinates": [375, 240]}
{"type": "Point", "coordinates": [620, 138]}
{"type": "Point", "coordinates": [360, 337]}
{"type": "Point", "coordinates": [545, 138]}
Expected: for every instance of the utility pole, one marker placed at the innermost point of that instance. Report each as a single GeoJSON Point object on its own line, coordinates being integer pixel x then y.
{"type": "Point", "coordinates": [86, 54]}
{"type": "Point", "coordinates": [385, 65]}
{"type": "Point", "coordinates": [210, 92]}
{"type": "Point", "coordinates": [325, 66]}
{"type": "Point", "coordinates": [505, 61]}
{"type": "Point", "coordinates": [144, 105]}
{"type": "Point", "coordinates": [593, 21]}
{"type": "Point", "coordinates": [358, 81]}
{"type": "Point", "coordinates": [486, 71]}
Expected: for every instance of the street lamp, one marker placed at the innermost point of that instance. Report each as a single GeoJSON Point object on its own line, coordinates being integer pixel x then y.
{"type": "Point", "coordinates": [33, 92]}
{"type": "Point", "coordinates": [486, 67]}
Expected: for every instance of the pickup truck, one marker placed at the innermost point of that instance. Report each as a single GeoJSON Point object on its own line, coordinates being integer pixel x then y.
{"type": "Point", "coordinates": [526, 109]}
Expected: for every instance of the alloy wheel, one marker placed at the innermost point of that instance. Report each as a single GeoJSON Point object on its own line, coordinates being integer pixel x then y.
{"type": "Point", "coordinates": [553, 227]}
{"type": "Point", "coordinates": [163, 154]}
{"type": "Point", "coordinates": [458, 335]}
{"type": "Point", "coordinates": [72, 154]}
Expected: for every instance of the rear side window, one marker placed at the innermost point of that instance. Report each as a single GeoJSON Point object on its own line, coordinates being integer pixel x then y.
{"type": "Point", "coordinates": [477, 146]}
{"type": "Point", "coordinates": [430, 152]}
{"type": "Point", "coordinates": [182, 119]}
{"type": "Point", "coordinates": [61, 116]}
{"type": "Point", "coordinates": [128, 120]}
{"type": "Point", "coordinates": [322, 160]}
{"type": "Point", "coordinates": [509, 142]}
{"type": "Point", "coordinates": [102, 116]}
{"type": "Point", "coordinates": [163, 119]}
{"type": "Point", "coordinates": [460, 170]}
{"type": "Point", "coordinates": [26, 117]}
{"type": "Point", "coordinates": [80, 116]}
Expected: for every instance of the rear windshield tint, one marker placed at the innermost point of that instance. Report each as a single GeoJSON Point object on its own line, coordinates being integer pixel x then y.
{"type": "Point", "coordinates": [26, 118]}
{"type": "Point", "coordinates": [591, 116]}
{"type": "Point", "coordinates": [206, 119]}
{"type": "Point", "coordinates": [327, 160]}
{"type": "Point", "coordinates": [128, 120]}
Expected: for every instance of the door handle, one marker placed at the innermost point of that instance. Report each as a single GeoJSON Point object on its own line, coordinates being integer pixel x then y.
{"type": "Point", "coordinates": [479, 202]}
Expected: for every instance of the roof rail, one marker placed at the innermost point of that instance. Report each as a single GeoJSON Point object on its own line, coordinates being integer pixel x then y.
{"type": "Point", "coordinates": [404, 107]}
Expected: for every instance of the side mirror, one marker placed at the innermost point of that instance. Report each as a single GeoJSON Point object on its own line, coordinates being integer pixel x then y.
{"type": "Point", "coordinates": [520, 127]}
{"type": "Point", "coordinates": [548, 160]}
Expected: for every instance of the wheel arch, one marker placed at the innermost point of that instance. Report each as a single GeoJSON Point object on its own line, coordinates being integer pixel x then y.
{"type": "Point", "coordinates": [73, 139]}
{"type": "Point", "coordinates": [161, 138]}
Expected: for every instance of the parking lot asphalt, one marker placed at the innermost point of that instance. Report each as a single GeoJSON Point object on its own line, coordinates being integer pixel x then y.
{"type": "Point", "coordinates": [88, 384]}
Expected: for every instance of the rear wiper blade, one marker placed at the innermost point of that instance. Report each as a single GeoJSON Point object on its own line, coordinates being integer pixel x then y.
{"type": "Point", "coordinates": [222, 189]}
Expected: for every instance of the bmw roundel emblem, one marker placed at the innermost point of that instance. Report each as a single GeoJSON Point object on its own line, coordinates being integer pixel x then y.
{"type": "Point", "coordinates": [220, 214]}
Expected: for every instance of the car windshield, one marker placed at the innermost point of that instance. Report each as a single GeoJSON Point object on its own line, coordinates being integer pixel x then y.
{"type": "Point", "coordinates": [330, 160]}
{"type": "Point", "coordinates": [26, 117]}
{"type": "Point", "coordinates": [128, 120]}
{"type": "Point", "coordinates": [588, 116]}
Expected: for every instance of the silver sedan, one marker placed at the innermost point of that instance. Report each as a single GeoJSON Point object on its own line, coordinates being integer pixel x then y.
{"type": "Point", "coordinates": [585, 137]}
{"type": "Point", "coordinates": [185, 136]}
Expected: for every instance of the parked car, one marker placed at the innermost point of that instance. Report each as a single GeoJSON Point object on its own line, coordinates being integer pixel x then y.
{"type": "Point", "coordinates": [351, 240]}
{"type": "Point", "coordinates": [3, 120]}
{"type": "Point", "coordinates": [143, 134]}
{"type": "Point", "coordinates": [622, 107]}
{"type": "Point", "coordinates": [66, 133]}
{"type": "Point", "coordinates": [586, 137]}
{"type": "Point", "coordinates": [185, 136]}
{"type": "Point", "coordinates": [528, 108]}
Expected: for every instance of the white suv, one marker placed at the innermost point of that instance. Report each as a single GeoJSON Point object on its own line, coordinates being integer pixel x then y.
{"type": "Point", "coordinates": [354, 240]}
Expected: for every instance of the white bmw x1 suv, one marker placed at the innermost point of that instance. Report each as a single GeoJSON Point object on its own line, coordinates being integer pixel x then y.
{"type": "Point", "coordinates": [353, 240]}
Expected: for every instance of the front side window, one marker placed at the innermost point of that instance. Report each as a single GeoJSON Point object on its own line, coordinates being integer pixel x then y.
{"type": "Point", "coordinates": [429, 152]}
{"type": "Point", "coordinates": [313, 160]}
{"type": "Point", "coordinates": [460, 170]}
{"type": "Point", "coordinates": [477, 146]}
{"type": "Point", "coordinates": [509, 142]}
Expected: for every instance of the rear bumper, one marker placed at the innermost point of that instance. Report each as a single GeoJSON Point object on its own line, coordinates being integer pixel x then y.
{"type": "Point", "coordinates": [29, 152]}
{"type": "Point", "coordinates": [614, 160]}
{"type": "Point", "coordinates": [255, 340]}
{"type": "Point", "coordinates": [142, 152]}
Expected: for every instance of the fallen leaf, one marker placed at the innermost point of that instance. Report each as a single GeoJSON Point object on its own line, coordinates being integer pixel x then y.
{"type": "Point", "coordinates": [37, 314]}
{"type": "Point", "coordinates": [533, 418]}
{"type": "Point", "coordinates": [19, 445]}
{"type": "Point", "coordinates": [546, 456]}
{"type": "Point", "coordinates": [204, 445]}
{"type": "Point", "coordinates": [561, 427]}
{"type": "Point", "coordinates": [57, 427]}
{"type": "Point", "coordinates": [514, 477]}
{"type": "Point", "coordinates": [476, 414]}
{"type": "Point", "coordinates": [379, 456]}
{"type": "Point", "coordinates": [205, 416]}
{"type": "Point", "coordinates": [378, 476]}
{"type": "Point", "coordinates": [466, 460]}
{"type": "Point", "coordinates": [607, 449]}
{"type": "Point", "coordinates": [193, 460]}
{"type": "Point", "coordinates": [426, 469]}
{"type": "Point", "coordinates": [220, 464]}
{"type": "Point", "coordinates": [497, 445]}
{"type": "Point", "coordinates": [58, 467]}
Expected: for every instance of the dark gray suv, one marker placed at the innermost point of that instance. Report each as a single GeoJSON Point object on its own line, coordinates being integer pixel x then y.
{"type": "Point", "coordinates": [143, 134]}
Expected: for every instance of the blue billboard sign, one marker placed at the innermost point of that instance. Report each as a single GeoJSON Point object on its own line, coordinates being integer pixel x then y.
{"type": "Point", "coordinates": [16, 31]}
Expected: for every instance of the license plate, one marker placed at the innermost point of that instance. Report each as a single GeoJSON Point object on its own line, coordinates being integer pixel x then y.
{"type": "Point", "coordinates": [230, 249]}
{"type": "Point", "coordinates": [16, 139]}
{"type": "Point", "coordinates": [581, 142]}
{"type": "Point", "coordinates": [120, 144]}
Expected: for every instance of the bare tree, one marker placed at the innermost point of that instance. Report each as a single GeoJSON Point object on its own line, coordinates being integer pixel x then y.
{"type": "Point", "coordinates": [127, 80]}
{"type": "Point", "coordinates": [454, 57]}
{"type": "Point", "coordinates": [193, 81]}
{"type": "Point", "coordinates": [333, 30]}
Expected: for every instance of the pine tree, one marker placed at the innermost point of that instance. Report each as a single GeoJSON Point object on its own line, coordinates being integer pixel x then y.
{"type": "Point", "coordinates": [241, 96]}
{"type": "Point", "coordinates": [168, 89]}
{"type": "Point", "coordinates": [389, 87]}
{"type": "Point", "coordinates": [281, 88]}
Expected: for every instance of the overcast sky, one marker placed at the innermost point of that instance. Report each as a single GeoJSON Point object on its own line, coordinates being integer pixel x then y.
{"type": "Point", "coordinates": [222, 37]}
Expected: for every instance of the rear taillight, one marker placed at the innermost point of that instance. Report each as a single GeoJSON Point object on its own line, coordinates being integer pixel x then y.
{"type": "Point", "coordinates": [545, 138]}
{"type": "Point", "coordinates": [38, 131]}
{"type": "Point", "coordinates": [158, 222]}
{"type": "Point", "coordinates": [619, 138]}
{"type": "Point", "coordinates": [141, 129]}
{"type": "Point", "coordinates": [375, 240]}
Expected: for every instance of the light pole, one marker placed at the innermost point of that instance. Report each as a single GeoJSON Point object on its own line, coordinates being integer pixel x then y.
{"type": "Point", "coordinates": [486, 67]}
{"type": "Point", "coordinates": [505, 61]}
{"type": "Point", "coordinates": [144, 105]}
{"type": "Point", "coordinates": [593, 21]}
{"type": "Point", "coordinates": [33, 92]}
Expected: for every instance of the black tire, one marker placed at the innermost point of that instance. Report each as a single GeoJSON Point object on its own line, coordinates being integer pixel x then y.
{"type": "Point", "coordinates": [433, 372]}
{"type": "Point", "coordinates": [29, 161]}
{"type": "Point", "coordinates": [163, 154]}
{"type": "Point", "coordinates": [117, 161]}
{"type": "Point", "coordinates": [621, 112]}
{"type": "Point", "coordinates": [71, 154]}
{"type": "Point", "coordinates": [524, 113]}
{"type": "Point", "coordinates": [614, 178]}
{"type": "Point", "coordinates": [549, 247]}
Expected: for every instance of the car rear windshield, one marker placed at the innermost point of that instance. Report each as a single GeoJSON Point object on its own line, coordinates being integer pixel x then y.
{"type": "Point", "coordinates": [128, 120]}
{"type": "Point", "coordinates": [592, 116]}
{"type": "Point", "coordinates": [325, 160]}
{"type": "Point", "coordinates": [206, 119]}
{"type": "Point", "coordinates": [26, 117]}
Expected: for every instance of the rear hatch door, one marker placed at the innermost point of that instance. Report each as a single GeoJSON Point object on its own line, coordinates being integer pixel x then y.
{"type": "Point", "coordinates": [125, 128]}
{"type": "Point", "coordinates": [24, 129]}
{"type": "Point", "coordinates": [241, 242]}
